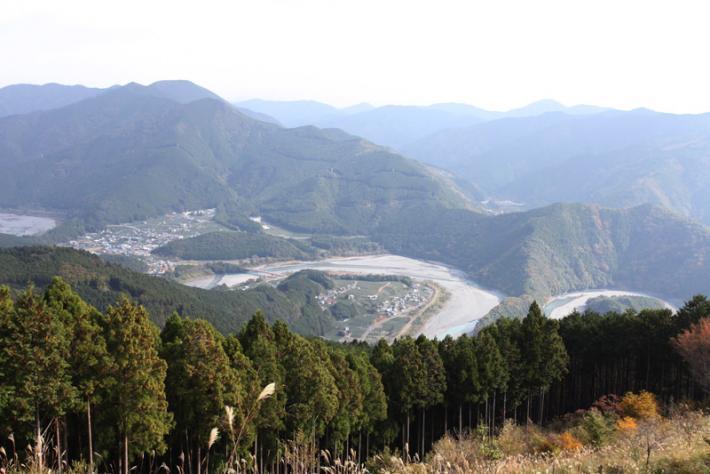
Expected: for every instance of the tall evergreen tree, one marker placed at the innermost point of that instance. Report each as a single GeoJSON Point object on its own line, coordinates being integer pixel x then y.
{"type": "Point", "coordinates": [493, 372]}
{"type": "Point", "coordinates": [134, 402]}
{"type": "Point", "coordinates": [259, 343]}
{"type": "Point", "coordinates": [200, 381]}
{"type": "Point", "coordinates": [544, 354]}
{"type": "Point", "coordinates": [89, 359]}
{"type": "Point", "coordinates": [435, 382]}
{"type": "Point", "coordinates": [35, 346]}
{"type": "Point", "coordinates": [409, 378]}
{"type": "Point", "coordinates": [311, 392]}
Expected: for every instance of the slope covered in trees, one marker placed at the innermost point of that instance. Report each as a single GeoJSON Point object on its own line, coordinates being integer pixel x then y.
{"type": "Point", "coordinates": [561, 248]}
{"type": "Point", "coordinates": [242, 245]}
{"type": "Point", "coordinates": [138, 151]}
{"type": "Point", "coordinates": [615, 158]}
{"type": "Point", "coordinates": [101, 284]}
{"type": "Point", "coordinates": [110, 380]}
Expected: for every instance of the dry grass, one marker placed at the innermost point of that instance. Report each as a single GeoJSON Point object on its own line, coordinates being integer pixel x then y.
{"type": "Point", "coordinates": [680, 444]}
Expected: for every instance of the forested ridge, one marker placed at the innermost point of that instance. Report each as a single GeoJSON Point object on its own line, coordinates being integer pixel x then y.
{"type": "Point", "coordinates": [114, 384]}
{"type": "Point", "coordinates": [101, 284]}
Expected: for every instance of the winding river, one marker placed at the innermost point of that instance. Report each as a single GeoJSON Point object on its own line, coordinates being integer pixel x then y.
{"type": "Point", "coordinates": [467, 303]}
{"type": "Point", "coordinates": [560, 306]}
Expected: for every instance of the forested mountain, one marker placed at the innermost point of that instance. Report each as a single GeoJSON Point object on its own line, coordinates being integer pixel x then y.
{"type": "Point", "coordinates": [101, 284]}
{"type": "Point", "coordinates": [130, 153]}
{"type": "Point", "coordinates": [561, 247]}
{"type": "Point", "coordinates": [616, 159]}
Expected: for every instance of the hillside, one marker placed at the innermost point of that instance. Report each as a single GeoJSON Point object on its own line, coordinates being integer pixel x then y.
{"type": "Point", "coordinates": [243, 245]}
{"type": "Point", "coordinates": [101, 283]}
{"type": "Point", "coordinates": [233, 246]}
{"type": "Point", "coordinates": [560, 248]}
{"type": "Point", "coordinates": [616, 159]}
{"type": "Point", "coordinates": [130, 153]}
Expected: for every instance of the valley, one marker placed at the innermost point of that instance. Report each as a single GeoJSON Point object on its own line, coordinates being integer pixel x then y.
{"type": "Point", "coordinates": [466, 303]}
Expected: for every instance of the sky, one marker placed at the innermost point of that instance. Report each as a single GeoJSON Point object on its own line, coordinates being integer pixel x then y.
{"type": "Point", "coordinates": [496, 54]}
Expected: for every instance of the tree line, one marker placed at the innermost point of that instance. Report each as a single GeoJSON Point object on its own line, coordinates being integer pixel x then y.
{"type": "Point", "coordinates": [112, 390]}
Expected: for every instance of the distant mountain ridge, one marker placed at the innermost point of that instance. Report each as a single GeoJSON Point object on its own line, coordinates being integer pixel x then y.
{"type": "Point", "coordinates": [616, 159]}
{"type": "Point", "coordinates": [25, 98]}
{"type": "Point", "coordinates": [398, 126]}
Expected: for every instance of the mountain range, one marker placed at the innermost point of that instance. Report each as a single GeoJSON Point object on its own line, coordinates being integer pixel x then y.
{"type": "Point", "coordinates": [137, 151]}
{"type": "Point", "coordinates": [130, 152]}
{"type": "Point", "coordinates": [397, 126]}
{"type": "Point", "coordinates": [616, 159]}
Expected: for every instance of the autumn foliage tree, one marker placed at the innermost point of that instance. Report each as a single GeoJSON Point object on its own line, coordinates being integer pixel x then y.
{"type": "Point", "coordinates": [693, 345]}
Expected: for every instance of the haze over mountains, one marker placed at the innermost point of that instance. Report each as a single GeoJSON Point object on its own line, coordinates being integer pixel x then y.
{"type": "Point", "coordinates": [131, 152]}
{"type": "Point", "coordinates": [542, 153]}
{"type": "Point", "coordinates": [396, 125]}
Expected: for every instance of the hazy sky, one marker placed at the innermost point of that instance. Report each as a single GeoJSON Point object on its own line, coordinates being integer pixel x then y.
{"type": "Point", "coordinates": [496, 54]}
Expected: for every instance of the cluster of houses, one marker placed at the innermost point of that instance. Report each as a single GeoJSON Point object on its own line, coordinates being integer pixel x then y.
{"type": "Point", "coordinates": [330, 297]}
{"type": "Point", "coordinates": [139, 239]}
{"type": "Point", "coordinates": [416, 297]}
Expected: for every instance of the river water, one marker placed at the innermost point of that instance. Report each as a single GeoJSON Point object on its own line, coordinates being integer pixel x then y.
{"type": "Point", "coordinates": [560, 306]}
{"type": "Point", "coordinates": [22, 225]}
{"type": "Point", "coordinates": [467, 302]}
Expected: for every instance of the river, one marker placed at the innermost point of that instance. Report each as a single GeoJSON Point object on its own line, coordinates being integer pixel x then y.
{"type": "Point", "coordinates": [23, 225]}
{"type": "Point", "coordinates": [560, 306]}
{"type": "Point", "coordinates": [467, 302]}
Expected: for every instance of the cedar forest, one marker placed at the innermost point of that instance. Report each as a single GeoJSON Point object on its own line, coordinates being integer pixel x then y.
{"type": "Point", "coordinates": [113, 391]}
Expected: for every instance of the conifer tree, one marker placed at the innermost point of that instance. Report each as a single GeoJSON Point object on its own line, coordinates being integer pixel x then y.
{"type": "Point", "coordinates": [89, 359]}
{"type": "Point", "coordinates": [409, 378]}
{"type": "Point", "coordinates": [311, 392]}
{"type": "Point", "coordinates": [259, 344]}
{"type": "Point", "coordinates": [435, 381]}
{"type": "Point", "coordinates": [374, 400]}
{"type": "Point", "coordinates": [35, 347]}
{"type": "Point", "coordinates": [250, 387]}
{"type": "Point", "coordinates": [134, 402]}
{"type": "Point", "coordinates": [493, 373]}
{"type": "Point", "coordinates": [544, 354]}
{"type": "Point", "coordinates": [200, 380]}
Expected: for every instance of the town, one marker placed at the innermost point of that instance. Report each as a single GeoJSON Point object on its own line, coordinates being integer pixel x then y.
{"type": "Point", "coordinates": [139, 239]}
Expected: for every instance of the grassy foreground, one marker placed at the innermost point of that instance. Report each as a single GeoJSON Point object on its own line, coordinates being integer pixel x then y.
{"type": "Point", "coordinates": [615, 436]}
{"type": "Point", "coordinates": [680, 444]}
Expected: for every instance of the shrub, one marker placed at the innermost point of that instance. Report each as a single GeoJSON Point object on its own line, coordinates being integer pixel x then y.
{"type": "Point", "coordinates": [608, 404]}
{"type": "Point", "coordinates": [568, 442]}
{"type": "Point", "coordinates": [513, 440]}
{"type": "Point", "coordinates": [626, 425]}
{"type": "Point", "coordinates": [640, 406]}
{"type": "Point", "coordinates": [597, 427]}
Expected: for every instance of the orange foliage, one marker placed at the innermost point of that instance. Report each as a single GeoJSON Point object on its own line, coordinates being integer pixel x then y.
{"type": "Point", "coordinates": [626, 424]}
{"type": "Point", "coordinates": [640, 406]}
{"type": "Point", "coordinates": [568, 442]}
{"type": "Point", "coordinates": [693, 345]}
